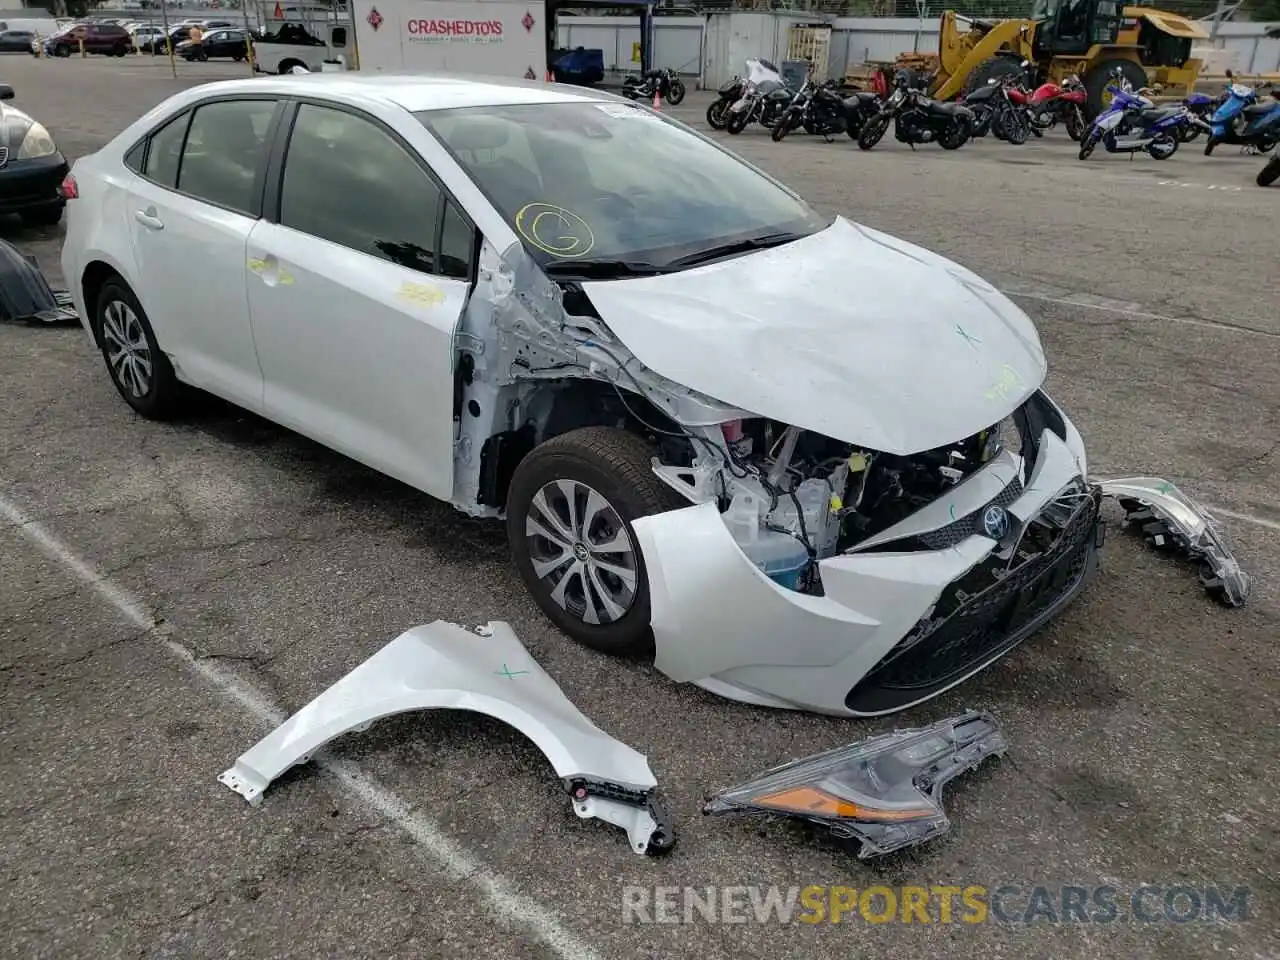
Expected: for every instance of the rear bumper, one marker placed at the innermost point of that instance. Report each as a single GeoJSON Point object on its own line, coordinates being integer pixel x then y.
{"type": "Point", "coordinates": [31, 184]}
{"type": "Point", "coordinates": [894, 627]}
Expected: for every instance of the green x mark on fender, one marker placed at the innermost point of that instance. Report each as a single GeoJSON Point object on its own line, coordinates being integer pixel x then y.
{"type": "Point", "coordinates": [508, 672]}
{"type": "Point", "coordinates": [969, 338]}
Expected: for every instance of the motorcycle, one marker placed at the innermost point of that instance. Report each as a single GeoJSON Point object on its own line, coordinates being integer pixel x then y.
{"type": "Point", "coordinates": [726, 96]}
{"type": "Point", "coordinates": [821, 111]}
{"type": "Point", "coordinates": [918, 119]}
{"type": "Point", "coordinates": [1242, 120]}
{"type": "Point", "coordinates": [661, 83]}
{"type": "Point", "coordinates": [998, 107]}
{"type": "Point", "coordinates": [764, 99]}
{"type": "Point", "coordinates": [1132, 123]}
{"type": "Point", "coordinates": [1051, 104]}
{"type": "Point", "coordinates": [1201, 105]}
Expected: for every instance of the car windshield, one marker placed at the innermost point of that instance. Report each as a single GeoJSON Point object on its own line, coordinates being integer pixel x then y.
{"type": "Point", "coordinates": [610, 189]}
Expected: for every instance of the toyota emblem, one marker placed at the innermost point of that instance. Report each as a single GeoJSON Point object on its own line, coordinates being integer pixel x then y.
{"type": "Point", "coordinates": [995, 521]}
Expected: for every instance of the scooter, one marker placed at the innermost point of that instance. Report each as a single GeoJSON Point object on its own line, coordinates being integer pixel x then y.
{"type": "Point", "coordinates": [1242, 120]}
{"type": "Point", "coordinates": [1133, 124]}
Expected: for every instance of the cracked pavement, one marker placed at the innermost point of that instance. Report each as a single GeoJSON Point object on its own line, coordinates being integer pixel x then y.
{"type": "Point", "coordinates": [1142, 723]}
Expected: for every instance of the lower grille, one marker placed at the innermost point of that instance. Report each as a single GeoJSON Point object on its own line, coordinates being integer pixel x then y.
{"type": "Point", "coordinates": [989, 610]}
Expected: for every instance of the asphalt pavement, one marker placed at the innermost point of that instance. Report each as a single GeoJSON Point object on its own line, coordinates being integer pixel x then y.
{"type": "Point", "coordinates": [169, 591]}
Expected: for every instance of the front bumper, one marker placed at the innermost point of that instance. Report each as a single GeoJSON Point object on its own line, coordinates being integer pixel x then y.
{"type": "Point", "coordinates": [29, 184]}
{"type": "Point", "coordinates": [894, 627]}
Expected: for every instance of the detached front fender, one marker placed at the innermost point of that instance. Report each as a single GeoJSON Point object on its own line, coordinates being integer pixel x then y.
{"type": "Point", "coordinates": [443, 666]}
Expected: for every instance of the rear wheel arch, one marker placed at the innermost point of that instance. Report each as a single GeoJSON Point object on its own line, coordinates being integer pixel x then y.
{"type": "Point", "coordinates": [97, 275]}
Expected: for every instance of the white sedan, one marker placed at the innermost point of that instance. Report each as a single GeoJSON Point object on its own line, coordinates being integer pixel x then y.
{"type": "Point", "coordinates": [809, 465]}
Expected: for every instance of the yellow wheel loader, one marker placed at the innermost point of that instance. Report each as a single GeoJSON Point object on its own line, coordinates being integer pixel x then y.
{"type": "Point", "coordinates": [1089, 38]}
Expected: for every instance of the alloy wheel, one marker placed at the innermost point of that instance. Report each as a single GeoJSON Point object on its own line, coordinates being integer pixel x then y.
{"type": "Point", "coordinates": [127, 350]}
{"type": "Point", "coordinates": [581, 549]}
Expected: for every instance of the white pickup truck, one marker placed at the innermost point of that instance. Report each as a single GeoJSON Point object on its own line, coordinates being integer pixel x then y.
{"type": "Point", "coordinates": [492, 37]}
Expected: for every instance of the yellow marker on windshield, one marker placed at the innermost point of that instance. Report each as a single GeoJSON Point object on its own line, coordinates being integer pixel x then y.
{"type": "Point", "coordinates": [554, 230]}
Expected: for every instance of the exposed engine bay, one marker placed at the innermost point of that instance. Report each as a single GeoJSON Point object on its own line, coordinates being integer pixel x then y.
{"type": "Point", "coordinates": [792, 497]}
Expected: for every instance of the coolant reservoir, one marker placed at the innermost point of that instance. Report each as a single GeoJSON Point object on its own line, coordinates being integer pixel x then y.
{"type": "Point", "coordinates": [780, 556]}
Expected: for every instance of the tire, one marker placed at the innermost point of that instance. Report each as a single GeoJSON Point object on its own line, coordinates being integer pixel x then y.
{"type": "Point", "coordinates": [955, 136]}
{"type": "Point", "coordinates": [675, 92]}
{"type": "Point", "coordinates": [119, 316]}
{"type": "Point", "coordinates": [288, 65]}
{"type": "Point", "coordinates": [717, 114]}
{"type": "Point", "coordinates": [981, 121]}
{"type": "Point", "coordinates": [1096, 80]}
{"type": "Point", "coordinates": [1270, 173]}
{"type": "Point", "coordinates": [780, 129]}
{"type": "Point", "coordinates": [872, 132]}
{"type": "Point", "coordinates": [1075, 123]}
{"type": "Point", "coordinates": [1012, 126]}
{"type": "Point", "coordinates": [737, 122]}
{"type": "Point", "coordinates": [43, 216]}
{"type": "Point", "coordinates": [237, 57]}
{"type": "Point", "coordinates": [616, 466]}
{"type": "Point", "coordinates": [1090, 141]}
{"type": "Point", "coordinates": [990, 69]}
{"type": "Point", "coordinates": [62, 51]}
{"type": "Point", "coordinates": [1210, 144]}
{"type": "Point", "coordinates": [1164, 138]}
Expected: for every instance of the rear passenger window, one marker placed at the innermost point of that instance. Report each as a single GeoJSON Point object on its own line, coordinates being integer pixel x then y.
{"type": "Point", "coordinates": [165, 152]}
{"type": "Point", "coordinates": [348, 181]}
{"type": "Point", "coordinates": [226, 146]}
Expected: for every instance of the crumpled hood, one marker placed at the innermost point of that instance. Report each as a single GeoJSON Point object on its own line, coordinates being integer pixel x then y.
{"type": "Point", "coordinates": [850, 333]}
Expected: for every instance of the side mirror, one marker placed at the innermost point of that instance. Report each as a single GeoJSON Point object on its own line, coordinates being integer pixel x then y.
{"type": "Point", "coordinates": [6, 91]}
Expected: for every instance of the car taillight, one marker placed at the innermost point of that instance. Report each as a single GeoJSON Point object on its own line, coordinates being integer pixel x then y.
{"type": "Point", "coordinates": [68, 189]}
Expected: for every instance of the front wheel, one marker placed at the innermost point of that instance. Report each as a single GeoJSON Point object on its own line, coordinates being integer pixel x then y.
{"type": "Point", "coordinates": [1090, 141]}
{"type": "Point", "coordinates": [785, 125]}
{"type": "Point", "coordinates": [675, 93]}
{"type": "Point", "coordinates": [1270, 173]}
{"type": "Point", "coordinates": [1210, 144]}
{"type": "Point", "coordinates": [872, 132]}
{"type": "Point", "coordinates": [1075, 124]}
{"type": "Point", "coordinates": [1016, 127]}
{"type": "Point", "coordinates": [717, 114]}
{"type": "Point", "coordinates": [569, 513]}
{"type": "Point", "coordinates": [737, 122]}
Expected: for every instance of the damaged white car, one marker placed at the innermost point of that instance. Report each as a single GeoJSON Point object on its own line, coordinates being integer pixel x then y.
{"type": "Point", "coordinates": [808, 463]}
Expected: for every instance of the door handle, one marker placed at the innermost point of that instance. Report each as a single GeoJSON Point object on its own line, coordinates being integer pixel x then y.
{"type": "Point", "coordinates": [148, 219]}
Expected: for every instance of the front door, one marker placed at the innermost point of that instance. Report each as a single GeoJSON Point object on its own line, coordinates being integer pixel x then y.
{"type": "Point", "coordinates": [355, 294]}
{"type": "Point", "coordinates": [192, 208]}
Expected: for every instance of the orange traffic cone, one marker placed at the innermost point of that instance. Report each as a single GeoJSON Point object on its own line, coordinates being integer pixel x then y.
{"type": "Point", "coordinates": [657, 100]}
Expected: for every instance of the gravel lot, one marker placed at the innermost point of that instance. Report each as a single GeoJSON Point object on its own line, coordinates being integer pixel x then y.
{"type": "Point", "coordinates": [242, 561]}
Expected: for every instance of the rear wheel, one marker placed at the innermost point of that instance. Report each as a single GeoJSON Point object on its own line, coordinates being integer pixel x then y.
{"type": "Point", "coordinates": [62, 51]}
{"type": "Point", "coordinates": [872, 132]}
{"type": "Point", "coordinates": [1089, 142]}
{"type": "Point", "coordinates": [569, 514]}
{"type": "Point", "coordinates": [1163, 147]}
{"type": "Point", "coordinates": [675, 92]}
{"type": "Point", "coordinates": [954, 136]}
{"type": "Point", "coordinates": [138, 368]}
{"type": "Point", "coordinates": [1270, 173]}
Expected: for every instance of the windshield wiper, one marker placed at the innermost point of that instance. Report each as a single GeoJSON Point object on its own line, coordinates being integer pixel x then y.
{"type": "Point", "coordinates": [737, 246]}
{"type": "Point", "coordinates": [602, 269]}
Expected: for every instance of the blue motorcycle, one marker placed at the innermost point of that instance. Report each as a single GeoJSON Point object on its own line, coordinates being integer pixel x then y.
{"type": "Point", "coordinates": [1133, 124]}
{"type": "Point", "coordinates": [1242, 120]}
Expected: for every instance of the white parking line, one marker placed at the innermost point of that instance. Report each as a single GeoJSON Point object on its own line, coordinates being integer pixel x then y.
{"type": "Point", "coordinates": [453, 858]}
{"type": "Point", "coordinates": [1091, 303]}
{"type": "Point", "coordinates": [1244, 517]}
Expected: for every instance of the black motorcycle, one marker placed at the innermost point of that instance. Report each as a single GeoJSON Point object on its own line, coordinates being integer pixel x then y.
{"type": "Point", "coordinates": [662, 83]}
{"type": "Point", "coordinates": [918, 119]}
{"type": "Point", "coordinates": [764, 104]}
{"type": "Point", "coordinates": [728, 94]}
{"type": "Point", "coordinates": [821, 111]}
{"type": "Point", "coordinates": [995, 110]}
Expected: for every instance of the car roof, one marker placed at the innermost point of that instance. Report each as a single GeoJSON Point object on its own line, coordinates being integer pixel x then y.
{"type": "Point", "coordinates": [414, 92]}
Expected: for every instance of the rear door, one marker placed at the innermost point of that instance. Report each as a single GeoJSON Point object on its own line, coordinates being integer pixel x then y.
{"type": "Point", "coordinates": [196, 200]}
{"type": "Point", "coordinates": [355, 290]}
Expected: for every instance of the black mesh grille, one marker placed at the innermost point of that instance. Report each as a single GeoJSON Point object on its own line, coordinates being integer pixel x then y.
{"type": "Point", "coordinates": [989, 610]}
{"type": "Point", "coordinates": [953, 533]}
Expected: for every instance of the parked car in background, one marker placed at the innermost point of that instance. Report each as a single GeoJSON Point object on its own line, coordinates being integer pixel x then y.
{"type": "Point", "coordinates": [105, 38]}
{"type": "Point", "coordinates": [16, 41]}
{"type": "Point", "coordinates": [145, 33]}
{"type": "Point", "coordinates": [216, 43]}
{"type": "Point", "coordinates": [155, 44]}
{"type": "Point", "coordinates": [31, 167]}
